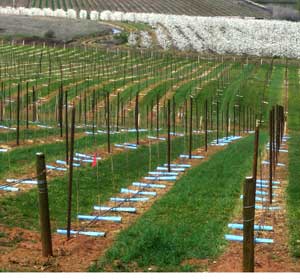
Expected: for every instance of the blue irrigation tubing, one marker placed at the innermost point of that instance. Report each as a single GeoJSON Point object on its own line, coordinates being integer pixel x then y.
{"type": "Point", "coordinates": [256, 198]}
{"type": "Point", "coordinates": [179, 165]}
{"type": "Point", "coordinates": [271, 208]}
{"type": "Point", "coordinates": [9, 188]}
{"type": "Point", "coordinates": [264, 193]}
{"type": "Point", "coordinates": [172, 169]}
{"type": "Point", "coordinates": [193, 156]}
{"type": "Point", "coordinates": [159, 173]}
{"type": "Point", "coordinates": [83, 155]}
{"type": "Point", "coordinates": [266, 181]}
{"type": "Point", "coordinates": [265, 186]}
{"type": "Point", "coordinates": [95, 234]}
{"type": "Point", "coordinates": [148, 185]}
{"type": "Point", "coordinates": [256, 227]}
{"type": "Point", "coordinates": [278, 164]}
{"type": "Point", "coordinates": [116, 199]}
{"type": "Point", "coordinates": [61, 162]}
{"type": "Point", "coordinates": [162, 139]}
{"type": "Point", "coordinates": [115, 209]}
{"type": "Point", "coordinates": [116, 219]}
{"type": "Point", "coordinates": [49, 167]}
{"type": "Point", "coordinates": [22, 181]}
{"type": "Point", "coordinates": [145, 193]}
{"type": "Point", "coordinates": [161, 178]}
{"type": "Point", "coordinates": [239, 238]}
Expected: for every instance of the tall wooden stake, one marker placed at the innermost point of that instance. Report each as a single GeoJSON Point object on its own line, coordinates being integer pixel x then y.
{"type": "Point", "coordinates": [248, 224]}
{"type": "Point", "coordinates": [43, 205]}
{"type": "Point", "coordinates": [256, 145]}
{"type": "Point", "coordinates": [108, 122]}
{"type": "Point", "coordinates": [270, 156]}
{"type": "Point", "coordinates": [191, 128]}
{"type": "Point", "coordinates": [67, 127]}
{"type": "Point", "coordinates": [169, 136]}
{"type": "Point", "coordinates": [206, 116]}
{"type": "Point", "coordinates": [18, 115]}
{"type": "Point", "coordinates": [137, 118]}
{"type": "Point", "coordinates": [70, 184]}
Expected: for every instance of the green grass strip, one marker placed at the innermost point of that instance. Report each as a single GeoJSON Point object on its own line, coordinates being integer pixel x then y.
{"type": "Point", "coordinates": [293, 190]}
{"type": "Point", "coordinates": [126, 167]}
{"type": "Point", "coordinates": [190, 220]}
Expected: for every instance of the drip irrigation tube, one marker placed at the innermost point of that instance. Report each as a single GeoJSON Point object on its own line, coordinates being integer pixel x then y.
{"type": "Point", "coordinates": [115, 209]}
{"type": "Point", "coordinates": [116, 219]}
{"type": "Point", "coordinates": [239, 238]}
{"type": "Point", "coordinates": [136, 192]}
{"type": "Point", "coordinates": [147, 185]}
{"type": "Point", "coordinates": [95, 234]}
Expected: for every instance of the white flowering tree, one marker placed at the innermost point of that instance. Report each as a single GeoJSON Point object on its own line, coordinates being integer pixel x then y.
{"type": "Point", "coordinates": [217, 34]}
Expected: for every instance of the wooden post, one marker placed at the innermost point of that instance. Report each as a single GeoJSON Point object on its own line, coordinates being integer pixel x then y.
{"type": "Point", "coordinates": [157, 116]}
{"type": "Point", "coordinates": [33, 104]}
{"type": "Point", "coordinates": [234, 120]}
{"type": "Point", "coordinates": [169, 136]}
{"type": "Point", "coordinates": [217, 122]}
{"type": "Point", "coordinates": [151, 116]}
{"type": "Point", "coordinates": [85, 108]}
{"type": "Point", "coordinates": [18, 115]}
{"type": "Point", "coordinates": [70, 182]}
{"type": "Point", "coordinates": [211, 115]}
{"type": "Point", "coordinates": [248, 224]}
{"type": "Point", "coordinates": [93, 111]}
{"type": "Point", "coordinates": [174, 116]}
{"type": "Point", "coordinates": [118, 110]}
{"type": "Point", "coordinates": [137, 118]}
{"type": "Point", "coordinates": [43, 206]}
{"type": "Point", "coordinates": [206, 115]}
{"type": "Point", "coordinates": [185, 117]}
{"type": "Point", "coordinates": [108, 122]}
{"type": "Point", "coordinates": [67, 127]}
{"type": "Point", "coordinates": [227, 121]}
{"type": "Point", "coordinates": [256, 145]}
{"type": "Point", "coordinates": [191, 128]}
{"type": "Point", "coordinates": [27, 104]}
{"type": "Point", "coordinates": [239, 116]}
{"type": "Point", "coordinates": [60, 110]}
{"type": "Point", "coordinates": [270, 156]}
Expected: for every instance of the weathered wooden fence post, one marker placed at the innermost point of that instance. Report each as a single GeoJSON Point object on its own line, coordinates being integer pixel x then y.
{"type": "Point", "coordinates": [256, 145]}
{"type": "Point", "coordinates": [191, 128]}
{"type": "Point", "coordinates": [108, 122]}
{"type": "Point", "coordinates": [18, 115]}
{"type": "Point", "coordinates": [206, 115]}
{"type": "Point", "coordinates": [169, 136]}
{"type": "Point", "coordinates": [43, 205]}
{"type": "Point", "coordinates": [70, 182]}
{"type": "Point", "coordinates": [248, 224]}
{"type": "Point", "coordinates": [270, 156]}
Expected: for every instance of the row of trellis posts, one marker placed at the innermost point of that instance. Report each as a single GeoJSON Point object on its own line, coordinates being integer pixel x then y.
{"type": "Point", "coordinates": [276, 132]}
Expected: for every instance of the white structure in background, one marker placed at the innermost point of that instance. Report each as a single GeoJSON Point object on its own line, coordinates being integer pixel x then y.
{"type": "Point", "coordinates": [133, 39]}
{"type": "Point", "coordinates": [221, 34]}
{"type": "Point", "coordinates": [83, 14]}
{"type": "Point", "coordinates": [48, 12]}
{"type": "Point", "coordinates": [71, 14]}
{"type": "Point", "coordinates": [94, 15]}
{"type": "Point", "coordinates": [146, 39]}
{"type": "Point", "coordinates": [216, 34]}
{"type": "Point", "coordinates": [162, 38]}
{"type": "Point", "coordinates": [60, 13]}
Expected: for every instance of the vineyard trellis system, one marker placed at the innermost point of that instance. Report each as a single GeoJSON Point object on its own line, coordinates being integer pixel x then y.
{"type": "Point", "coordinates": [108, 117]}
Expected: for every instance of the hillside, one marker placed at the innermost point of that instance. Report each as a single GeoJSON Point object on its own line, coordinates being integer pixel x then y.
{"type": "Point", "coordinates": [187, 7]}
